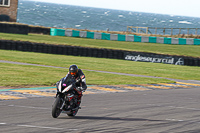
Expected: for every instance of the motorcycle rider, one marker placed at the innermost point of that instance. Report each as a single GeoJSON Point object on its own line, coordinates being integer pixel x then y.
{"type": "Point", "coordinates": [77, 74]}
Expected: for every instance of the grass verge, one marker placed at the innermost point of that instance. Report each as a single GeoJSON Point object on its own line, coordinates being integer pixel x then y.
{"type": "Point", "coordinates": [22, 75]}
{"type": "Point", "coordinates": [182, 50]}
{"type": "Point", "coordinates": [32, 75]}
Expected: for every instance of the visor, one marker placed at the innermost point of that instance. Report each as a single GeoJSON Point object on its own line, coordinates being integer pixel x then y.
{"type": "Point", "coordinates": [73, 73]}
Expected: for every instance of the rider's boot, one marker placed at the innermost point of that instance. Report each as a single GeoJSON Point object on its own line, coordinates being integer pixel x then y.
{"type": "Point", "coordinates": [79, 101]}
{"type": "Point", "coordinates": [78, 104]}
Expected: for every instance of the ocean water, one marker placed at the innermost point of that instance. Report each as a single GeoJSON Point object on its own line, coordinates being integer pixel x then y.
{"type": "Point", "coordinates": [67, 16]}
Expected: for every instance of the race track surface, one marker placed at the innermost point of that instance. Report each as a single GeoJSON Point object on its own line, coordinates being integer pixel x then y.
{"type": "Point", "coordinates": [152, 110]}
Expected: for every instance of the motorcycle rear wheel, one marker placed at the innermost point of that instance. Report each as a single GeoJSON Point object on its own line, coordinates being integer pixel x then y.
{"type": "Point", "coordinates": [56, 107]}
{"type": "Point", "coordinates": [72, 112]}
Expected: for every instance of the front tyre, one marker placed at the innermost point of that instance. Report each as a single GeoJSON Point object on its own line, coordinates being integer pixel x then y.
{"type": "Point", "coordinates": [56, 107]}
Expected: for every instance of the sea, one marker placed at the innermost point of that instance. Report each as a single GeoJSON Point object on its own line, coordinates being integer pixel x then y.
{"type": "Point", "coordinates": [78, 17]}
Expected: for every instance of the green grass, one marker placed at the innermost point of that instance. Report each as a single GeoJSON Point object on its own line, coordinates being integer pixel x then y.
{"type": "Point", "coordinates": [19, 75]}
{"type": "Point", "coordinates": [33, 75]}
{"type": "Point", "coordinates": [184, 50]}
{"type": "Point", "coordinates": [22, 75]}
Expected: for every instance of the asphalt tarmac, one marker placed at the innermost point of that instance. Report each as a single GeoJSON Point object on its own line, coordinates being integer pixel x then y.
{"type": "Point", "coordinates": [155, 111]}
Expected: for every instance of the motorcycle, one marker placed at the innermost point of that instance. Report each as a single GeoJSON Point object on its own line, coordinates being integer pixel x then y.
{"type": "Point", "coordinates": [66, 97]}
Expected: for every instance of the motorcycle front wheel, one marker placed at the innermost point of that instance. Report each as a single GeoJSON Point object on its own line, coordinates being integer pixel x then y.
{"type": "Point", "coordinates": [56, 107]}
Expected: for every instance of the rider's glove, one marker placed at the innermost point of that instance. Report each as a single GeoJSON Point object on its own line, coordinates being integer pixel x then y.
{"type": "Point", "coordinates": [77, 80]}
{"type": "Point", "coordinates": [57, 83]}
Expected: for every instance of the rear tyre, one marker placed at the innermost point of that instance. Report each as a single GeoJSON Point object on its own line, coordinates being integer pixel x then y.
{"type": "Point", "coordinates": [56, 107]}
{"type": "Point", "coordinates": [72, 112]}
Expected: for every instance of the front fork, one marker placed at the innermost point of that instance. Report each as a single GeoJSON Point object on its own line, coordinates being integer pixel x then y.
{"type": "Point", "coordinates": [63, 104]}
{"type": "Point", "coordinates": [69, 99]}
{"type": "Point", "coordinates": [63, 101]}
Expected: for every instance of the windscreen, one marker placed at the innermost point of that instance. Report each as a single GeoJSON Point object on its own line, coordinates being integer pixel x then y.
{"type": "Point", "coordinates": [68, 80]}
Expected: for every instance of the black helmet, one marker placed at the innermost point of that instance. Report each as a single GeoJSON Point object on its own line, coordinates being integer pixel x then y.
{"type": "Point", "coordinates": [73, 69]}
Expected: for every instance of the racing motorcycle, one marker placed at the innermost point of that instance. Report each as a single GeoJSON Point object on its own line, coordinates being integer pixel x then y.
{"type": "Point", "coordinates": [66, 97]}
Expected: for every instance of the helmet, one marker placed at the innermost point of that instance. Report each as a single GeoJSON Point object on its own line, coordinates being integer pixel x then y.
{"type": "Point", "coordinates": [73, 69]}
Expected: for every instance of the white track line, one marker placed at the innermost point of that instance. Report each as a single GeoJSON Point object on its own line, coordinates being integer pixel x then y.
{"type": "Point", "coordinates": [30, 107]}
{"type": "Point", "coordinates": [40, 127]}
{"type": "Point", "coordinates": [54, 128]}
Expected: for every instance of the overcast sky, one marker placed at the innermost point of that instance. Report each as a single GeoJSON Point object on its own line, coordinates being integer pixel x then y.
{"type": "Point", "coordinates": [171, 7]}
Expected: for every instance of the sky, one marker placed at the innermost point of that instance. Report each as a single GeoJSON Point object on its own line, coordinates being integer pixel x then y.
{"type": "Point", "coordinates": [171, 7]}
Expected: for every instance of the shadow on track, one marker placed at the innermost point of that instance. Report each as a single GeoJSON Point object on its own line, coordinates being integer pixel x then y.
{"type": "Point", "coordinates": [108, 118]}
